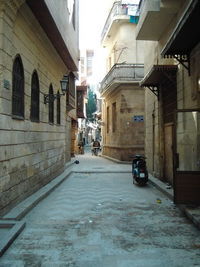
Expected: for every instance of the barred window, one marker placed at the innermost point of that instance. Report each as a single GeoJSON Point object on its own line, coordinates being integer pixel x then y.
{"type": "Point", "coordinates": [51, 105]}
{"type": "Point", "coordinates": [18, 88]}
{"type": "Point", "coordinates": [58, 108]}
{"type": "Point", "coordinates": [35, 98]}
{"type": "Point", "coordinates": [114, 117]}
{"type": "Point", "coordinates": [108, 119]}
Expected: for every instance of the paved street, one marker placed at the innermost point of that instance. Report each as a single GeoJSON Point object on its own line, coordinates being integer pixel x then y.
{"type": "Point", "coordinates": [97, 218]}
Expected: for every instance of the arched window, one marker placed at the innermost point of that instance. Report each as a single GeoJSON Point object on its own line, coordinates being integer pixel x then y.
{"type": "Point", "coordinates": [51, 105]}
{"type": "Point", "coordinates": [18, 88]}
{"type": "Point", "coordinates": [35, 98]}
{"type": "Point", "coordinates": [58, 108]}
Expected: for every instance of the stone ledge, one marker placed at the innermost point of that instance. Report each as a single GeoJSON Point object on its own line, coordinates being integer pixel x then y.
{"type": "Point", "coordinates": [19, 211]}
{"type": "Point", "coordinates": [14, 229]}
{"type": "Point", "coordinates": [116, 160]}
{"type": "Point", "coordinates": [161, 186]}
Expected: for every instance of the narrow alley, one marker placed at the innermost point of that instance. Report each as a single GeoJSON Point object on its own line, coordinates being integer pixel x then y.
{"type": "Point", "coordinates": [97, 217]}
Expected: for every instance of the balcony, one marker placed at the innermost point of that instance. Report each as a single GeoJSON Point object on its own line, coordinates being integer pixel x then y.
{"type": "Point", "coordinates": [121, 74]}
{"type": "Point", "coordinates": [154, 17]}
{"type": "Point", "coordinates": [81, 95]}
{"type": "Point", "coordinates": [118, 14]}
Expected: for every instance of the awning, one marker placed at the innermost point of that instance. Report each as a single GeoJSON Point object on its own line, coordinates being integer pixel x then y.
{"type": "Point", "coordinates": [185, 36]}
{"type": "Point", "coordinates": [158, 75]}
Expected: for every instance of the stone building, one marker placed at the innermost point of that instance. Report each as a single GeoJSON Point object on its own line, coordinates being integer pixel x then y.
{"type": "Point", "coordinates": [172, 95]}
{"type": "Point", "coordinates": [39, 45]}
{"type": "Point", "coordinates": [123, 98]}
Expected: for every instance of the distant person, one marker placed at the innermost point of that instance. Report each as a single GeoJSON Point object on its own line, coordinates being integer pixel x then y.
{"type": "Point", "coordinates": [91, 145]}
{"type": "Point", "coordinates": [96, 147]}
{"type": "Point", "coordinates": [81, 147]}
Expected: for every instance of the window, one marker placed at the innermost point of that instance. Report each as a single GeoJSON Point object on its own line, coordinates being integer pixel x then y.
{"type": "Point", "coordinates": [51, 105]}
{"type": "Point", "coordinates": [108, 120]}
{"type": "Point", "coordinates": [114, 117]}
{"type": "Point", "coordinates": [70, 96]}
{"type": "Point", "coordinates": [72, 87]}
{"type": "Point", "coordinates": [18, 88]}
{"type": "Point", "coordinates": [35, 98]}
{"type": "Point", "coordinates": [58, 107]}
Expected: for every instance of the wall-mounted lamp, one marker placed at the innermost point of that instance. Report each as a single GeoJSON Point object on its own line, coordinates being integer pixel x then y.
{"type": "Point", "coordinates": [64, 84]}
{"type": "Point", "coordinates": [198, 84]}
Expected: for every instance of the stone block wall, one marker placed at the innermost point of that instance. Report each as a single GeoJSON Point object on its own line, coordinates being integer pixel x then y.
{"type": "Point", "coordinates": [188, 97]}
{"type": "Point", "coordinates": [31, 153]}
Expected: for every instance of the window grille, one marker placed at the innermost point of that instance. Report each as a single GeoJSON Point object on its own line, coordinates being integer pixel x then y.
{"type": "Point", "coordinates": [58, 108]}
{"type": "Point", "coordinates": [35, 98]}
{"type": "Point", "coordinates": [51, 105]}
{"type": "Point", "coordinates": [114, 117]}
{"type": "Point", "coordinates": [18, 88]}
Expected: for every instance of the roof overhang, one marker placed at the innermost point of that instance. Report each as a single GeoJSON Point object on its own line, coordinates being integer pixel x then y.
{"type": "Point", "coordinates": [43, 15]}
{"type": "Point", "coordinates": [158, 75]}
{"type": "Point", "coordinates": [185, 36]}
{"type": "Point", "coordinates": [116, 85]}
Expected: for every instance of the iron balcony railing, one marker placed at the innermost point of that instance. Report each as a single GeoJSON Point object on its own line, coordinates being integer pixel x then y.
{"type": "Point", "coordinates": [121, 73]}
{"type": "Point", "coordinates": [116, 10]}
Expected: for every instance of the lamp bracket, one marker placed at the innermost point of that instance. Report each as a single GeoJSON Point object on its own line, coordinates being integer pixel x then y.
{"type": "Point", "coordinates": [50, 98]}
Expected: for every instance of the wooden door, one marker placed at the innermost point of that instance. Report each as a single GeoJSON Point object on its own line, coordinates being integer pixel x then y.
{"type": "Point", "coordinates": [168, 162]}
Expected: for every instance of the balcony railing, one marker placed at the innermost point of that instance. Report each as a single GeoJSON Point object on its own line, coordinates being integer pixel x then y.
{"type": "Point", "coordinates": [123, 73]}
{"type": "Point", "coordinates": [117, 10]}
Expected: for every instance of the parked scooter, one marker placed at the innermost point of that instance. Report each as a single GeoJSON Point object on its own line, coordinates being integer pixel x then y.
{"type": "Point", "coordinates": [139, 170]}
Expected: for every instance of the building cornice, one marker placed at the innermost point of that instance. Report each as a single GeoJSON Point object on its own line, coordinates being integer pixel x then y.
{"type": "Point", "coordinates": [43, 15]}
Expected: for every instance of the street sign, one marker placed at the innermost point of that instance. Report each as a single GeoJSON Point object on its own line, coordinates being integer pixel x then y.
{"type": "Point", "coordinates": [138, 118]}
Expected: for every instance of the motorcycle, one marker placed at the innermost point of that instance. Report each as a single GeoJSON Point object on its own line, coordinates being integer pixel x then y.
{"type": "Point", "coordinates": [95, 151]}
{"type": "Point", "coordinates": [139, 170]}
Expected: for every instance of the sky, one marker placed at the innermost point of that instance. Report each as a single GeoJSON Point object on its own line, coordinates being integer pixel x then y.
{"type": "Point", "coordinates": [93, 14]}
{"type": "Point", "coordinates": [92, 18]}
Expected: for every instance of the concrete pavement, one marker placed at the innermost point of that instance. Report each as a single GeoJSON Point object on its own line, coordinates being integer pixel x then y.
{"type": "Point", "coordinates": [88, 164]}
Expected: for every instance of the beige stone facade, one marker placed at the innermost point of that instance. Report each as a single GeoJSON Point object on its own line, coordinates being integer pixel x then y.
{"type": "Point", "coordinates": [33, 153]}
{"type": "Point", "coordinates": [172, 95]}
{"type": "Point", "coordinates": [122, 136]}
{"type": "Point", "coordinates": [123, 99]}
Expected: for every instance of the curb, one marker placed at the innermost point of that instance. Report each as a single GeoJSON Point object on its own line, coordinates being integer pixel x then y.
{"type": "Point", "coordinates": [11, 219]}
{"type": "Point", "coordinates": [15, 228]}
{"type": "Point", "coordinates": [115, 160]}
{"type": "Point", "coordinates": [19, 211]}
{"type": "Point", "coordinates": [192, 213]}
{"type": "Point", "coordinates": [11, 222]}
